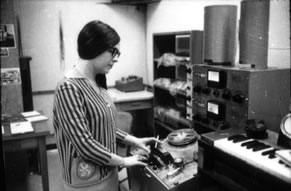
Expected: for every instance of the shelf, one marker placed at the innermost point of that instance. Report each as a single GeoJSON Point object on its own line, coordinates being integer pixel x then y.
{"type": "Point", "coordinates": [134, 2]}
{"type": "Point", "coordinates": [167, 89]}
{"type": "Point", "coordinates": [169, 121]}
{"type": "Point", "coordinates": [160, 123]}
{"type": "Point", "coordinates": [184, 60]}
{"type": "Point", "coordinates": [201, 128]}
{"type": "Point", "coordinates": [172, 56]}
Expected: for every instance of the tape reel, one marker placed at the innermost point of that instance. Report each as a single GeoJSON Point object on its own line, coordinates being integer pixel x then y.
{"type": "Point", "coordinates": [182, 137]}
{"type": "Point", "coordinates": [284, 138]}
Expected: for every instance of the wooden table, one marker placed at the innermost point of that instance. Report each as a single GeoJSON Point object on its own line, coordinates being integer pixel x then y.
{"type": "Point", "coordinates": [27, 141]}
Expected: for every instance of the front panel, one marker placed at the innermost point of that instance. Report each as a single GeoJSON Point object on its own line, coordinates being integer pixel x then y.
{"type": "Point", "coordinates": [225, 97]}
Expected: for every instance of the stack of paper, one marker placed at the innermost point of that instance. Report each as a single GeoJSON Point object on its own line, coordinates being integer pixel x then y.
{"type": "Point", "coordinates": [33, 116]}
{"type": "Point", "coordinates": [21, 127]}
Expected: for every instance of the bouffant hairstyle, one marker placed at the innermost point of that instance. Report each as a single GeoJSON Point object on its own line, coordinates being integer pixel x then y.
{"type": "Point", "coordinates": [95, 38]}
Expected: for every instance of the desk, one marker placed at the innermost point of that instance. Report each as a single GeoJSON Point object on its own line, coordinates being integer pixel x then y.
{"type": "Point", "coordinates": [30, 141]}
{"type": "Point", "coordinates": [140, 104]}
{"type": "Point", "coordinates": [128, 101]}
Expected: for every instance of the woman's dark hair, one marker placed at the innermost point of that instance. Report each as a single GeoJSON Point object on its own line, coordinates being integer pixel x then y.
{"type": "Point", "coordinates": [101, 80]}
{"type": "Point", "coordinates": [95, 38]}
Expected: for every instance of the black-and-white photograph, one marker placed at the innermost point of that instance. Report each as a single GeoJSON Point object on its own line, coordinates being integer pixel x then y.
{"type": "Point", "coordinates": [10, 76]}
{"type": "Point", "coordinates": [7, 36]}
{"type": "Point", "coordinates": [145, 95]}
{"type": "Point", "coordinates": [4, 52]}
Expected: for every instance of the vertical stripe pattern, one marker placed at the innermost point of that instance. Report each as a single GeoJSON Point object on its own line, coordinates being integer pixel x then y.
{"type": "Point", "coordinates": [85, 125]}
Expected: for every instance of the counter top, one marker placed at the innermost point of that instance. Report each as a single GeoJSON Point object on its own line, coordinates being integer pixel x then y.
{"type": "Point", "coordinates": [119, 96]}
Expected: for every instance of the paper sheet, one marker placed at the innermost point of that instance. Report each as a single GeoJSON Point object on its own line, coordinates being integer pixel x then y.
{"type": "Point", "coordinates": [30, 113]}
{"type": "Point", "coordinates": [36, 118]}
{"type": "Point", "coordinates": [21, 127]}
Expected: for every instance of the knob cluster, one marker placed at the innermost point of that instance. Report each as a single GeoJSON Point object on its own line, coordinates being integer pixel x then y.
{"type": "Point", "coordinates": [226, 93]}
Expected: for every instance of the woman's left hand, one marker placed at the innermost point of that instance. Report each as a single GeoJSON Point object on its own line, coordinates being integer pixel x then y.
{"type": "Point", "coordinates": [143, 142]}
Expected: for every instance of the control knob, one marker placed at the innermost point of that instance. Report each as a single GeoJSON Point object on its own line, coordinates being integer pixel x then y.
{"type": "Point", "coordinates": [239, 98]}
{"type": "Point", "coordinates": [216, 93]}
{"type": "Point", "coordinates": [226, 94]}
{"type": "Point", "coordinates": [178, 162]}
{"type": "Point", "coordinates": [206, 90]}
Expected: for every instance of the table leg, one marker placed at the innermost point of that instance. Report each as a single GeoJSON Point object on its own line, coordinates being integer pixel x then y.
{"type": "Point", "coordinates": [43, 163]}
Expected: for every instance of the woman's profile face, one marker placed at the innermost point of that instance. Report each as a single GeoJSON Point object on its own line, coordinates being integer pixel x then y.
{"type": "Point", "coordinates": [105, 61]}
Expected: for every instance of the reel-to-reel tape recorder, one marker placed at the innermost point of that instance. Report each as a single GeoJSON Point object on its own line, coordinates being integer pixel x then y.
{"type": "Point", "coordinates": [172, 165]}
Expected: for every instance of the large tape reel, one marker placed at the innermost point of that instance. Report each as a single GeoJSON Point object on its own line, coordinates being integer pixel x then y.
{"type": "Point", "coordinates": [182, 137]}
{"type": "Point", "coordinates": [284, 138]}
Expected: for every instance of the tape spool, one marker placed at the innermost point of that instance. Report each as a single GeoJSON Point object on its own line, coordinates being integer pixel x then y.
{"type": "Point", "coordinates": [182, 137]}
{"type": "Point", "coordinates": [284, 138]}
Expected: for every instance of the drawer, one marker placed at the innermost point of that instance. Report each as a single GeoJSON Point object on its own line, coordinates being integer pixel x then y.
{"type": "Point", "coordinates": [134, 105]}
{"type": "Point", "coordinates": [20, 144]}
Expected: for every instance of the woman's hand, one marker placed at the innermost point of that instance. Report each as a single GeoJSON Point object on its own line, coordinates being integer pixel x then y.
{"type": "Point", "coordinates": [143, 142]}
{"type": "Point", "coordinates": [134, 160]}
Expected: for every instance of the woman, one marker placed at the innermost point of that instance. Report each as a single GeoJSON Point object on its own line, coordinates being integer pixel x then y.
{"type": "Point", "coordinates": [85, 116]}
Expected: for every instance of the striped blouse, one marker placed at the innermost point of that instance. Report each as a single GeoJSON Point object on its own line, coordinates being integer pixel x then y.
{"type": "Point", "coordinates": [85, 125]}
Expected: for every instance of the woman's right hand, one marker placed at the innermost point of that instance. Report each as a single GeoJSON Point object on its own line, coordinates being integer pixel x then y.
{"type": "Point", "coordinates": [134, 160]}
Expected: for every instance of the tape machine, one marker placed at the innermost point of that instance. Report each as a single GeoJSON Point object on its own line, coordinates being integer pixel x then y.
{"type": "Point", "coordinates": [172, 165]}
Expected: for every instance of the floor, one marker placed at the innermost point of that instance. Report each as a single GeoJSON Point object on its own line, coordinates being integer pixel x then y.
{"type": "Point", "coordinates": [34, 183]}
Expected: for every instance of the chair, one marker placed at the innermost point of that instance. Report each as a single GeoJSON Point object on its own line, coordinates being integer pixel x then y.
{"type": "Point", "coordinates": [124, 122]}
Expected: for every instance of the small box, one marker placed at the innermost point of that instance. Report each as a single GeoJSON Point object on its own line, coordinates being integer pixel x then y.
{"type": "Point", "coordinates": [129, 84]}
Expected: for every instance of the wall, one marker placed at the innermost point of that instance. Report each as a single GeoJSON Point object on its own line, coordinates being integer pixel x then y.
{"type": "Point", "coordinates": [40, 26]}
{"type": "Point", "coordinates": [11, 95]}
{"type": "Point", "coordinates": [175, 15]}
